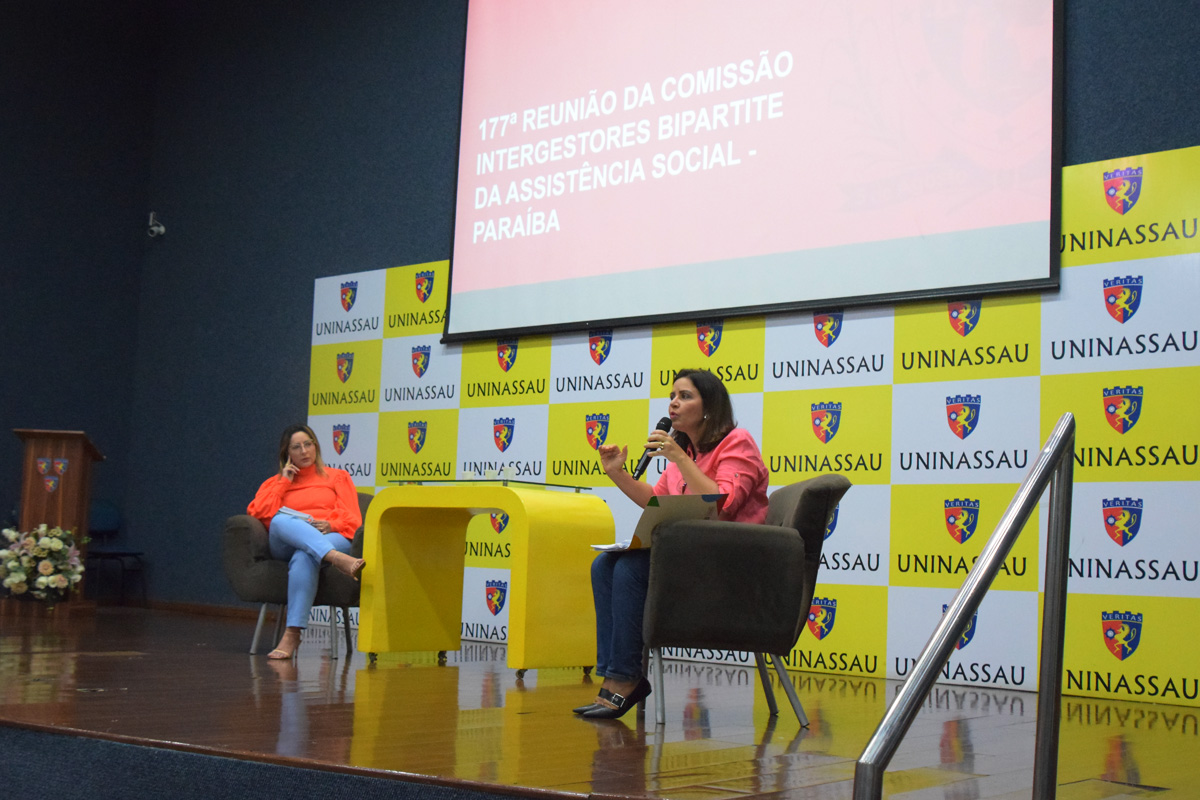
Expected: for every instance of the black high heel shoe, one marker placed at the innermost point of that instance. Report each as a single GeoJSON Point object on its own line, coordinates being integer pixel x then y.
{"type": "Point", "coordinates": [603, 694]}
{"type": "Point", "coordinates": [622, 703]}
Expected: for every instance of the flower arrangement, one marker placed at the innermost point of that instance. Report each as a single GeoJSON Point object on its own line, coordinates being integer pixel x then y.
{"type": "Point", "coordinates": [43, 563]}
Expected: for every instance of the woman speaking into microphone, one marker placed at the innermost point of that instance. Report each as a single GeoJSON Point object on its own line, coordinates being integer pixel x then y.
{"type": "Point", "coordinates": [707, 454]}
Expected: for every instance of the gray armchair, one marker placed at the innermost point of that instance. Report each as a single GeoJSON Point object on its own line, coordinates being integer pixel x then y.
{"type": "Point", "coordinates": [257, 578]}
{"type": "Point", "coordinates": [733, 586]}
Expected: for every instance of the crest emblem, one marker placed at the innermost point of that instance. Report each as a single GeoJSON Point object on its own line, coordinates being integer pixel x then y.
{"type": "Point", "coordinates": [349, 292]}
{"type": "Point", "coordinates": [1122, 187]}
{"type": "Point", "coordinates": [961, 518]}
{"type": "Point", "coordinates": [495, 593]}
{"type": "Point", "coordinates": [341, 438]}
{"type": "Point", "coordinates": [962, 413]}
{"type": "Point", "coordinates": [821, 615]}
{"type": "Point", "coordinates": [968, 634]}
{"type": "Point", "coordinates": [826, 417]}
{"type": "Point", "coordinates": [708, 336]}
{"type": "Point", "coordinates": [1122, 296]}
{"type": "Point", "coordinates": [1123, 407]}
{"type": "Point", "coordinates": [1122, 518]}
{"type": "Point", "coordinates": [599, 343]}
{"type": "Point", "coordinates": [43, 466]}
{"type": "Point", "coordinates": [345, 365]}
{"type": "Point", "coordinates": [416, 435]}
{"type": "Point", "coordinates": [506, 353]}
{"type": "Point", "coordinates": [964, 315]}
{"type": "Point", "coordinates": [499, 521]}
{"type": "Point", "coordinates": [60, 465]}
{"type": "Point", "coordinates": [827, 327]}
{"type": "Point", "coordinates": [596, 427]}
{"type": "Point", "coordinates": [424, 285]}
{"type": "Point", "coordinates": [832, 526]}
{"type": "Point", "coordinates": [1122, 632]}
{"type": "Point", "coordinates": [420, 360]}
{"type": "Point", "coordinates": [502, 432]}
{"type": "Point", "coordinates": [50, 482]}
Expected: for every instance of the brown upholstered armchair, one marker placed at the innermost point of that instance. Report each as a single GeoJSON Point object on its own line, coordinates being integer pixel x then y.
{"type": "Point", "coordinates": [257, 578]}
{"type": "Point", "coordinates": [733, 586]}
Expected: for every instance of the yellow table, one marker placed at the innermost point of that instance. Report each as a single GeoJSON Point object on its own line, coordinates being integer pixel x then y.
{"type": "Point", "coordinates": [413, 541]}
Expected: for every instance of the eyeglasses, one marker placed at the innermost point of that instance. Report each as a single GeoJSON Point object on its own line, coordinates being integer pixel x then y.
{"type": "Point", "coordinates": [301, 446]}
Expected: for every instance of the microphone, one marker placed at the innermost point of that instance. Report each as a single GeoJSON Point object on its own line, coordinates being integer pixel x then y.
{"type": "Point", "coordinates": [664, 424]}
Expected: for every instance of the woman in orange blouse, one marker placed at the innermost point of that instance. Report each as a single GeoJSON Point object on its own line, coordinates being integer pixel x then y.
{"type": "Point", "coordinates": [311, 512]}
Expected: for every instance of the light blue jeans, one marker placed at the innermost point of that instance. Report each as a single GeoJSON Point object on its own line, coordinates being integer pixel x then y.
{"type": "Point", "coordinates": [303, 547]}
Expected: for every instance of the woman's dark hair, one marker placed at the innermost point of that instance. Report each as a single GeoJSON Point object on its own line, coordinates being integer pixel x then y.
{"type": "Point", "coordinates": [718, 411]}
{"type": "Point", "coordinates": [285, 442]}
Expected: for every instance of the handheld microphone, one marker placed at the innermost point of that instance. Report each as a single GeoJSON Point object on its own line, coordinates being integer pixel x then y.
{"type": "Point", "coordinates": [664, 424]}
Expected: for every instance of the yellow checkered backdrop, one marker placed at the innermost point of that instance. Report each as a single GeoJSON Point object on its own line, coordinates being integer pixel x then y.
{"type": "Point", "coordinates": [933, 410]}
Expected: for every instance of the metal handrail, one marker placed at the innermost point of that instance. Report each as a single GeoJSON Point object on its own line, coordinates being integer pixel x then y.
{"type": "Point", "coordinates": [1053, 467]}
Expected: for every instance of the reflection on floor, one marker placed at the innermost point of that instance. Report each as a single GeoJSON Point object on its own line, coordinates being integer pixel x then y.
{"type": "Point", "coordinates": [159, 676]}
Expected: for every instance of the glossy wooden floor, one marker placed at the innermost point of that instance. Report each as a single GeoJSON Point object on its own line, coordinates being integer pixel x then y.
{"type": "Point", "coordinates": [186, 681]}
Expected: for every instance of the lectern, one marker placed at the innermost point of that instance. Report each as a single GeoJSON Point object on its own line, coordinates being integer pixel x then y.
{"type": "Point", "coordinates": [56, 479]}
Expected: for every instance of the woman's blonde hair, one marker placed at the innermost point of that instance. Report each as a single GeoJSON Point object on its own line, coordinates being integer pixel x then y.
{"type": "Point", "coordinates": [286, 441]}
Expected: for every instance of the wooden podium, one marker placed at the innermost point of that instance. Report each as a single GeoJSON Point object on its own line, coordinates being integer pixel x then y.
{"type": "Point", "coordinates": [56, 480]}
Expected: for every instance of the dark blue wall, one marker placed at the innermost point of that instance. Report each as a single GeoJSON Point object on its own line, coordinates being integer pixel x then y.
{"type": "Point", "coordinates": [1131, 73]}
{"type": "Point", "coordinates": [290, 142]}
{"type": "Point", "coordinates": [76, 93]}
{"type": "Point", "coordinates": [280, 142]}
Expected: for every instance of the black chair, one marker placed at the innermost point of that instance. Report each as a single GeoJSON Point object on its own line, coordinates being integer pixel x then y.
{"type": "Point", "coordinates": [257, 578]}
{"type": "Point", "coordinates": [732, 586]}
{"type": "Point", "coordinates": [104, 525]}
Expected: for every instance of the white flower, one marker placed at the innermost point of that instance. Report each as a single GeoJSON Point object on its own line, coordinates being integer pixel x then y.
{"type": "Point", "coordinates": [76, 578]}
{"type": "Point", "coordinates": [14, 578]}
{"type": "Point", "coordinates": [12, 565]}
{"type": "Point", "coordinates": [42, 582]}
{"type": "Point", "coordinates": [44, 542]}
{"type": "Point", "coordinates": [5, 554]}
{"type": "Point", "coordinates": [40, 530]}
{"type": "Point", "coordinates": [55, 545]}
{"type": "Point", "coordinates": [11, 534]}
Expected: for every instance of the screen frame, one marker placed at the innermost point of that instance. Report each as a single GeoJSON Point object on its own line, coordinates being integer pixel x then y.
{"type": "Point", "coordinates": [1051, 282]}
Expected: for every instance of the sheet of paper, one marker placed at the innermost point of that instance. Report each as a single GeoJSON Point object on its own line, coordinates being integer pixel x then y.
{"type": "Point", "coordinates": [291, 512]}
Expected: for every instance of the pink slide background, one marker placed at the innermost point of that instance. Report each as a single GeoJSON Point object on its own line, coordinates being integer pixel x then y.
{"type": "Point", "coordinates": [899, 119]}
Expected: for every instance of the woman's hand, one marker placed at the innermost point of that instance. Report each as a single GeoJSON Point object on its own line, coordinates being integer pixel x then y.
{"type": "Point", "coordinates": [289, 470]}
{"type": "Point", "coordinates": [661, 444]}
{"type": "Point", "coordinates": [612, 458]}
{"type": "Point", "coordinates": [322, 525]}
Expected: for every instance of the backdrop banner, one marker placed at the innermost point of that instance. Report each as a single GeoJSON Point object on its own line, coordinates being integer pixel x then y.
{"type": "Point", "coordinates": [934, 410]}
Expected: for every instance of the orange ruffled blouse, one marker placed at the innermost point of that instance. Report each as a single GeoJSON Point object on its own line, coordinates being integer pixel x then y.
{"type": "Point", "coordinates": [333, 498]}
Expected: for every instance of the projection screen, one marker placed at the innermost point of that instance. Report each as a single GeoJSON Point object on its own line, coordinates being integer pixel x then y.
{"type": "Point", "coordinates": [628, 161]}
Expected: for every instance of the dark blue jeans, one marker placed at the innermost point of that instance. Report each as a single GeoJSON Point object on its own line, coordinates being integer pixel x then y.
{"type": "Point", "coordinates": [619, 582]}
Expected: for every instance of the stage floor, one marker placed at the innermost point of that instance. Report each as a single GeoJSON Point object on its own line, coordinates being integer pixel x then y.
{"type": "Point", "coordinates": [184, 681]}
